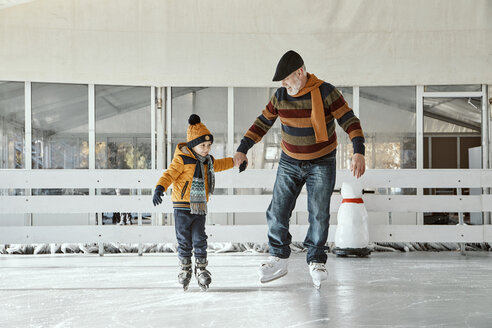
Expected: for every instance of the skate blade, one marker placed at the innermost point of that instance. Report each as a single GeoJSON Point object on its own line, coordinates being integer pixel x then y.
{"type": "Point", "coordinates": [317, 286]}
{"type": "Point", "coordinates": [204, 288]}
{"type": "Point", "coordinates": [274, 278]}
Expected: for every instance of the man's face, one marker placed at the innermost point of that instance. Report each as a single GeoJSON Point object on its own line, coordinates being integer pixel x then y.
{"type": "Point", "coordinates": [203, 149]}
{"type": "Point", "coordinates": [292, 83]}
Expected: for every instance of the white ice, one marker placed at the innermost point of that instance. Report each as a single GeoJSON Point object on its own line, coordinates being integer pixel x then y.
{"type": "Point", "coordinates": [417, 289]}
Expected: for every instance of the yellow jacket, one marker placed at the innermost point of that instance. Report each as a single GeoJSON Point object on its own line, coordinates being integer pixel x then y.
{"type": "Point", "coordinates": [180, 174]}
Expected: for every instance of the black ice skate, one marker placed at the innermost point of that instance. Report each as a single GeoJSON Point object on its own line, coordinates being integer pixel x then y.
{"type": "Point", "coordinates": [203, 276]}
{"type": "Point", "coordinates": [184, 275]}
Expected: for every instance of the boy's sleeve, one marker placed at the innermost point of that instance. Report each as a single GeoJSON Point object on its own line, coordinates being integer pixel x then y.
{"type": "Point", "coordinates": [223, 164]}
{"type": "Point", "coordinates": [173, 171]}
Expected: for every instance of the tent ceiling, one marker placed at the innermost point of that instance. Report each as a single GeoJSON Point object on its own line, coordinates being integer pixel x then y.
{"type": "Point", "coordinates": [464, 112]}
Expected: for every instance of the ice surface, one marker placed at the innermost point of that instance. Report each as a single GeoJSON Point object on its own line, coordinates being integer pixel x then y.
{"type": "Point", "coordinates": [418, 289]}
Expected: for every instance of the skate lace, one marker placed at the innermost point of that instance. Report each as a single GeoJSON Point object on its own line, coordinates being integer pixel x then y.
{"type": "Point", "coordinates": [319, 267]}
{"type": "Point", "coordinates": [184, 274]}
{"type": "Point", "coordinates": [199, 271]}
{"type": "Point", "coordinates": [270, 261]}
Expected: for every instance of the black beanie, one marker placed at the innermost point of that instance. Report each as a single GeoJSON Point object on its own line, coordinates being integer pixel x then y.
{"type": "Point", "coordinates": [289, 62]}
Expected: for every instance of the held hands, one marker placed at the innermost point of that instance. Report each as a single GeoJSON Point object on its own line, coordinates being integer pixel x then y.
{"type": "Point", "coordinates": [242, 167]}
{"type": "Point", "coordinates": [158, 193]}
{"type": "Point", "coordinates": [241, 161]}
{"type": "Point", "coordinates": [358, 166]}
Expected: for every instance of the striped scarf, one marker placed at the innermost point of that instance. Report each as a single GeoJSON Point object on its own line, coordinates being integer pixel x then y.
{"type": "Point", "coordinates": [198, 194]}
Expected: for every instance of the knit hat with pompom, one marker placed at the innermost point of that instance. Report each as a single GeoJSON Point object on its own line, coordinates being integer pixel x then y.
{"type": "Point", "coordinates": [197, 132]}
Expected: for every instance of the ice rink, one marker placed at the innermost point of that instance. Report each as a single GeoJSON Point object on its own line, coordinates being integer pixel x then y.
{"type": "Point", "coordinates": [415, 289]}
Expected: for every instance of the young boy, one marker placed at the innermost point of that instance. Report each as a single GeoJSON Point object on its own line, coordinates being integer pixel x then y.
{"type": "Point", "coordinates": [192, 175]}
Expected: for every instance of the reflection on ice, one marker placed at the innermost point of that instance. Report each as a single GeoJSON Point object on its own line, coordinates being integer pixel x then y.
{"type": "Point", "coordinates": [387, 289]}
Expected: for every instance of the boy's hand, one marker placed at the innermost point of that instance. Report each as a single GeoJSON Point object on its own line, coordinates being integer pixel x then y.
{"type": "Point", "coordinates": [158, 193]}
{"type": "Point", "coordinates": [242, 167]}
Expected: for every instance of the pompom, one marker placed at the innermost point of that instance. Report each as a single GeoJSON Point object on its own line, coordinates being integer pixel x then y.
{"type": "Point", "coordinates": [194, 119]}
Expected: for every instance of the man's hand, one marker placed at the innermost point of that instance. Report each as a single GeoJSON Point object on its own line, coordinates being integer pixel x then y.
{"type": "Point", "coordinates": [358, 166]}
{"type": "Point", "coordinates": [239, 158]}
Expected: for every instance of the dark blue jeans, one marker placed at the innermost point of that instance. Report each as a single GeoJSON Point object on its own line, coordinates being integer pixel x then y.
{"type": "Point", "coordinates": [190, 233]}
{"type": "Point", "coordinates": [319, 176]}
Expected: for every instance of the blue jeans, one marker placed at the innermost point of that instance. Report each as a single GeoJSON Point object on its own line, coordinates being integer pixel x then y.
{"type": "Point", "coordinates": [190, 233]}
{"type": "Point", "coordinates": [319, 176]}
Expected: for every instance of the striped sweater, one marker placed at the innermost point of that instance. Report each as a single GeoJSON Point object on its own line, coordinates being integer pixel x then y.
{"type": "Point", "coordinates": [298, 138]}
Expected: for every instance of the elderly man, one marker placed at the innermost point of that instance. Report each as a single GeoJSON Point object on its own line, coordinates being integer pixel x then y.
{"type": "Point", "coordinates": [307, 107]}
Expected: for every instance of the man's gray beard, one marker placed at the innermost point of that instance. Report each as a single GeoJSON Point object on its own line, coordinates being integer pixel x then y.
{"type": "Point", "coordinates": [295, 89]}
{"type": "Point", "coordinates": [293, 92]}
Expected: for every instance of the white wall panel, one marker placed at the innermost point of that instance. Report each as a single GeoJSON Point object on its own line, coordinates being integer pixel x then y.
{"type": "Point", "coordinates": [238, 43]}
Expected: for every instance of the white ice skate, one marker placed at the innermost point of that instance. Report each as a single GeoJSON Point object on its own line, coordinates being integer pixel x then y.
{"type": "Point", "coordinates": [318, 273]}
{"type": "Point", "coordinates": [272, 269]}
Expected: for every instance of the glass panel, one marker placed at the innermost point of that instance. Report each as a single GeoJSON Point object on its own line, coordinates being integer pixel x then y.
{"type": "Point", "coordinates": [388, 116]}
{"type": "Point", "coordinates": [211, 105]}
{"type": "Point", "coordinates": [123, 127]}
{"type": "Point", "coordinates": [123, 135]}
{"type": "Point", "coordinates": [452, 115]}
{"type": "Point", "coordinates": [452, 129]}
{"type": "Point", "coordinates": [12, 131]}
{"type": "Point", "coordinates": [208, 103]}
{"type": "Point", "coordinates": [12, 125]}
{"type": "Point", "coordinates": [59, 126]}
{"type": "Point", "coordinates": [248, 105]}
{"type": "Point", "coordinates": [452, 88]}
{"type": "Point", "coordinates": [345, 150]}
{"type": "Point", "coordinates": [60, 132]}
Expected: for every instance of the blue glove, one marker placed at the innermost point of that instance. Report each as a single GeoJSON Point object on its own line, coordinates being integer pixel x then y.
{"type": "Point", "coordinates": [158, 193]}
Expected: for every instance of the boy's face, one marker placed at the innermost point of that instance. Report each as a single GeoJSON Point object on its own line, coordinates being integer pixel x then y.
{"type": "Point", "coordinates": [203, 149]}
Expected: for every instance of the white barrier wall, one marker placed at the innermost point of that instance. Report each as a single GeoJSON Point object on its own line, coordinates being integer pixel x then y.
{"type": "Point", "coordinates": [238, 43]}
{"type": "Point", "coordinates": [243, 204]}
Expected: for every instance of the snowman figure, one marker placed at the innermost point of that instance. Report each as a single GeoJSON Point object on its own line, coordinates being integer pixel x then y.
{"type": "Point", "coordinates": [352, 235]}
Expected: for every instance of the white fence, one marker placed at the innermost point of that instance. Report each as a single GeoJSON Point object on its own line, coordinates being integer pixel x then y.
{"type": "Point", "coordinates": [146, 179]}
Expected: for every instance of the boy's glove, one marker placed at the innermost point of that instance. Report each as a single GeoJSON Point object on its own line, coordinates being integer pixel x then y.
{"type": "Point", "coordinates": [242, 167]}
{"type": "Point", "coordinates": [158, 193]}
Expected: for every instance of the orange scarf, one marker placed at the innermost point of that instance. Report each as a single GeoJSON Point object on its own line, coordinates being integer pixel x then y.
{"type": "Point", "coordinates": [317, 111]}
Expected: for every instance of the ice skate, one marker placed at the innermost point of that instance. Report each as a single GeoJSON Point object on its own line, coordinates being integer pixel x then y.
{"type": "Point", "coordinates": [318, 273]}
{"type": "Point", "coordinates": [272, 269]}
{"type": "Point", "coordinates": [186, 272]}
{"type": "Point", "coordinates": [203, 276]}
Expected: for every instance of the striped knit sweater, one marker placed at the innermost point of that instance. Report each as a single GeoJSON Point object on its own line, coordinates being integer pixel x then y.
{"type": "Point", "coordinates": [298, 138]}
